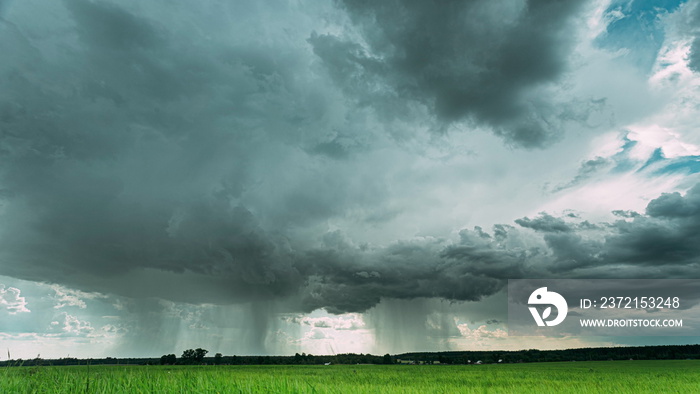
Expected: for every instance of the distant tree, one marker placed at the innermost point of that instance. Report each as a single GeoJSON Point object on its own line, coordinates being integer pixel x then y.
{"type": "Point", "coordinates": [188, 356]}
{"type": "Point", "coordinates": [217, 358]}
{"type": "Point", "coordinates": [199, 354]}
{"type": "Point", "coordinates": [194, 356]}
{"type": "Point", "coordinates": [387, 359]}
{"type": "Point", "coordinates": [168, 359]}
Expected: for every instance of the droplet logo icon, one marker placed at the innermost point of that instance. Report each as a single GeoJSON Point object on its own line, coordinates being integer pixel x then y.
{"type": "Point", "coordinates": [543, 297]}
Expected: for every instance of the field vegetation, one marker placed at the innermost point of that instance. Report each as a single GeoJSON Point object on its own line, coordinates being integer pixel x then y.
{"type": "Point", "coordinates": [678, 376]}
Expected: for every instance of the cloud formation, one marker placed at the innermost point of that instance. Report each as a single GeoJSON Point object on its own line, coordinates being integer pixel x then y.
{"type": "Point", "coordinates": [11, 301]}
{"type": "Point", "coordinates": [662, 243]}
{"type": "Point", "coordinates": [492, 63]}
{"type": "Point", "coordinates": [162, 151]}
{"type": "Point", "coordinates": [693, 20]}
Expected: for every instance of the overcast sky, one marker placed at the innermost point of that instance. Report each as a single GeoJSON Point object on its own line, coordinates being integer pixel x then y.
{"type": "Point", "coordinates": [271, 177]}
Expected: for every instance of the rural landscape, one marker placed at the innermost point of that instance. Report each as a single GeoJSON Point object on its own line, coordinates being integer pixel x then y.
{"type": "Point", "coordinates": [558, 377]}
{"type": "Point", "coordinates": [620, 370]}
{"type": "Point", "coordinates": [349, 196]}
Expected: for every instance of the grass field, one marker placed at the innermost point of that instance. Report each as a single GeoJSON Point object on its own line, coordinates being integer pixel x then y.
{"type": "Point", "coordinates": [576, 377]}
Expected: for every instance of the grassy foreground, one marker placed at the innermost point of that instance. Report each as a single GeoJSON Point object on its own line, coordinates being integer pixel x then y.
{"type": "Point", "coordinates": [577, 377]}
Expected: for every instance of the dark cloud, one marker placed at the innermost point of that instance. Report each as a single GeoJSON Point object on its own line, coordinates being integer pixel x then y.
{"type": "Point", "coordinates": [660, 244]}
{"type": "Point", "coordinates": [129, 151]}
{"type": "Point", "coordinates": [476, 60]}
{"type": "Point", "coordinates": [406, 270]}
{"type": "Point", "coordinates": [109, 27]}
{"type": "Point", "coordinates": [673, 206]}
{"type": "Point", "coordinates": [664, 238]}
{"type": "Point", "coordinates": [145, 159]}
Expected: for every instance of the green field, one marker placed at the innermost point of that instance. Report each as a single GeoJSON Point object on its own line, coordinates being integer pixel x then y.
{"type": "Point", "coordinates": [576, 377]}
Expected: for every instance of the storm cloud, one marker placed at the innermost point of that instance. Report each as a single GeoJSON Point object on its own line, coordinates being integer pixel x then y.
{"type": "Point", "coordinates": [233, 152]}
{"type": "Point", "coordinates": [492, 63]}
{"type": "Point", "coordinates": [661, 243]}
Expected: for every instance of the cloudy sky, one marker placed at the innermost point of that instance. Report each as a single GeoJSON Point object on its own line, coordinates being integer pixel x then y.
{"type": "Point", "coordinates": [271, 177]}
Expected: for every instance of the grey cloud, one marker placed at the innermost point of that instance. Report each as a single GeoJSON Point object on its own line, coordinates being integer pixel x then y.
{"type": "Point", "coordinates": [339, 147]}
{"type": "Point", "coordinates": [122, 51]}
{"type": "Point", "coordinates": [588, 169]}
{"type": "Point", "coordinates": [130, 151]}
{"type": "Point", "coordinates": [694, 55]}
{"type": "Point", "coordinates": [673, 206]}
{"type": "Point", "coordinates": [107, 26]}
{"type": "Point", "coordinates": [405, 270]}
{"type": "Point", "coordinates": [146, 160]}
{"type": "Point", "coordinates": [544, 223]}
{"type": "Point", "coordinates": [475, 60]}
{"type": "Point", "coordinates": [665, 239]}
{"type": "Point", "coordinates": [365, 274]}
{"type": "Point", "coordinates": [476, 267]}
{"type": "Point", "coordinates": [660, 244]}
{"type": "Point", "coordinates": [625, 214]}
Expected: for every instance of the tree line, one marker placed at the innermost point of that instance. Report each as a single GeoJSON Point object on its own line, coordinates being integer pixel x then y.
{"type": "Point", "coordinates": [189, 357]}
{"type": "Point", "coordinates": [198, 356]}
{"type": "Point", "coordinates": [667, 352]}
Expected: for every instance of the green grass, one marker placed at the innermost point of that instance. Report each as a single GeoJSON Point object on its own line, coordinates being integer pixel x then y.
{"type": "Point", "coordinates": [570, 377]}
